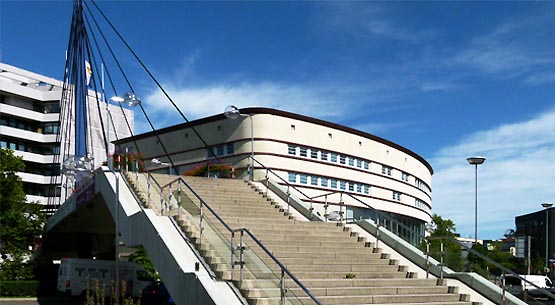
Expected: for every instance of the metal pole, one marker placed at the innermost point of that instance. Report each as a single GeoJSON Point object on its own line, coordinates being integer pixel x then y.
{"type": "Point", "coordinates": [546, 239]}
{"type": "Point", "coordinates": [252, 148]}
{"type": "Point", "coordinates": [117, 238]}
{"type": "Point", "coordinates": [475, 204]}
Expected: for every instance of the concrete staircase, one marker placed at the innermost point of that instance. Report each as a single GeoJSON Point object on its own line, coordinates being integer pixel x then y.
{"type": "Point", "coordinates": [336, 265]}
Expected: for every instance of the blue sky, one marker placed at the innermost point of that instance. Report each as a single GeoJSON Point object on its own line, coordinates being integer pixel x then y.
{"type": "Point", "coordinates": [444, 79]}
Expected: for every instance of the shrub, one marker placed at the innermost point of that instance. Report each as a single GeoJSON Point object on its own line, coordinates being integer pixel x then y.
{"type": "Point", "coordinates": [18, 288]}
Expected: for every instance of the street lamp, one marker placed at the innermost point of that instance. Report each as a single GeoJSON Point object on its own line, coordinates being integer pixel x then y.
{"type": "Point", "coordinates": [232, 112]}
{"type": "Point", "coordinates": [475, 161]}
{"type": "Point", "coordinates": [547, 205]}
{"type": "Point", "coordinates": [131, 100]}
{"type": "Point", "coordinates": [158, 162]}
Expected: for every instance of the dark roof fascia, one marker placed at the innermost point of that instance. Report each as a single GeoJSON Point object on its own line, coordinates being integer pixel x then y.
{"type": "Point", "coordinates": [262, 110]}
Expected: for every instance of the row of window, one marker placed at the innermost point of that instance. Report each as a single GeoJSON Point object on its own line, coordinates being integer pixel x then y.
{"type": "Point", "coordinates": [42, 149]}
{"type": "Point", "coordinates": [44, 128]}
{"type": "Point", "coordinates": [220, 150]}
{"type": "Point", "coordinates": [330, 183]}
{"type": "Point", "coordinates": [351, 161]}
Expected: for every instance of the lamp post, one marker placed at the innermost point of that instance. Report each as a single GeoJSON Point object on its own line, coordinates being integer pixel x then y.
{"type": "Point", "coordinates": [131, 100]}
{"type": "Point", "coordinates": [547, 205]}
{"type": "Point", "coordinates": [475, 161]}
{"type": "Point", "coordinates": [232, 112]}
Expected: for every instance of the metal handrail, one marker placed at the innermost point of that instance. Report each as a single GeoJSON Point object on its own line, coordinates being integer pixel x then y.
{"type": "Point", "coordinates": [230, 230]}
{"type": "Point", "coordinates": [504, 269]}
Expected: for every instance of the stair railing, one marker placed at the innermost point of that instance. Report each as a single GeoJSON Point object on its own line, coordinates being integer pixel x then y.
{"type": "Point", "coordinates": [241, 248]}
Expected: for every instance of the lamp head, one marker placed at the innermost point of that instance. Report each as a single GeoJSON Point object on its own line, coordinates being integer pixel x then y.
{"type": "Point", "coordinates": [231, 112]}
{"type": "Point", "coordinates": [156, 161]}
{"type": "Point", "coordinates": [475, 160]}
{"type": "Point", "coordinates": [547, 205]}
{"type": "Point", "coordinates": [131, 99]}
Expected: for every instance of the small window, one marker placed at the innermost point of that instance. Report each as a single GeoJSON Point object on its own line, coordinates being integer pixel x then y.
{"type": "Point", "coordinates": [342, 159]}
{"type": "Point", "coordinates": [359, 188]}
{"type": "Point", "coordinates": [324, 155]}
{"type": "Point", "coordinates": [396, 196]}
{"type": "Point", "coordinates": [366, 189]}
{"type": "Point", "coordinates": [342, 184]}
{"type": "Point", "coordinates": [386, 170]}
{"type": "Point", "coordinates": [366, 165]}
{"type": "Point", "coordinates": [313, 180]}
{"type": "Point", "coordinates": [229, 149]}
{"type": "Point", "coordinates": [333, 157]}
{"type": "Point", "coordinates": [333, 183]}
{"type": "Point", "coordinates": [314, 154]}
{"type": "Point", "coordinates": [304, 179]}
{"type": "Point", "coordinates": [220, 150]}
{"type": "Point", "coordinates": [292, 177]}
{"type": "Point", "coordinates": [324, 182]}
{"type": "Point", "coordinates": [303, 151]}
{"type": "Point", "coordinates": [351, 186]}
{"type": "Point", "coordinates": [351, 161]}
{"type": "Point", "coordinates": [292, 149]}
{"type": "Point", "coordinates": [359, 163]}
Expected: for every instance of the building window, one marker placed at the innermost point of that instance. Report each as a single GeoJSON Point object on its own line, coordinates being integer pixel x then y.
{"type": "Point", "coordinates": [324, 155]}
{"type": "Point", "coordinates": [359, 188]}
{"type": "Point", "coordinates": [396, 196]}
{"type": "Point", "coordinates": [313, 180]}
{"type": "Point", "coordinates": [333, 158]}
{"type": "Point", "coordinates": [386, 170]}
{"type": "Point", "coordinates": [292, 177]}
{"type": "Point", "coordinates": [405, 176]}
{"type": "Point", "coordinates": [342, 159]}
{"type": "Point", "coordinates": [366, 189]}
{"type": "Point", "coordinates": [303, 179]}
{"type": "Point", "coordinates": [342, 184]}
{"type": "Point", "coordinates": [292, 149]}
{"type": "Point", "coordinates": [366, 165]}
{"type": "Point", "coordinates": [229, 149]}
{"type": "Point", "coordinates": [219, 150]}
{"type": "Point", "coordinates": [314, 154]}
{"type": "Point", "coordinates": [333, 183]}
{"type": "Point", "coordinates": [303, 151]}
{"type": "Point", "coordinates": [359, 163]}
{"type": "Point", "coordinates": [351, 161]}
{"type": "Point", "coordinates": [324, 182]}
{"type": "Point", "coordinates": [351, 187]}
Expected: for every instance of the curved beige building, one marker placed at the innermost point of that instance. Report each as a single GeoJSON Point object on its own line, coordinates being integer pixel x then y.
{"type": "Point", "coordinates": [315, 156]}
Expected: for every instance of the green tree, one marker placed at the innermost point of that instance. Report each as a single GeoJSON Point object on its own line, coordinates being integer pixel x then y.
{"type": "Point", "coordinates": [20, 222]}
{"type": "Point", "coordinates": [140, 256]}
{"type": "Point", "coordinates": [445, 232]}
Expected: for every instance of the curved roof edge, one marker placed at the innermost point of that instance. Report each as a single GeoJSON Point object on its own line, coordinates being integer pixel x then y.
{"type": "Point", "coordinates": [262, 110]}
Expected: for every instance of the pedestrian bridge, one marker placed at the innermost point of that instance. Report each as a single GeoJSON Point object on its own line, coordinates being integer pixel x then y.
{"type": "Point", "coordinates": [227, 241]}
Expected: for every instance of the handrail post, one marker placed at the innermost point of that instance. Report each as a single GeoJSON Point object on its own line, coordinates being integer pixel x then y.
{"type": "Point", "coordinates": [148, 190]}
{"type": "Point", "coordinates": [326, 207]}
{"type": "Point", "coordinates": [179, 198]}
{"type": "Point", "coordinates": [341, 208]}
{"type": "Point", "coordinates": [169, 203]}
{"type": "Point", "coordinates": [503, 287]}
{"type": "Point", "coordinates": [232, 255]}
{"type": "Point", "coordinates": [267, 182]}
{"type": "Point", "coordinates": [201, 228]}
{"type": "Point", "coordinates": [241, 253]}
{"type": "Point", "coordinates": [378, 234]}
{"type": "Point", "coordinates": [441, 259]}
{"type": "Point", "coordinates": [427, 258]}
{"type": "Point", "coordinates": [282, 288]}
{"type": "Point", "coordinates": [126, 159]}
{"type": "Point", "coordinates": [288, 195]}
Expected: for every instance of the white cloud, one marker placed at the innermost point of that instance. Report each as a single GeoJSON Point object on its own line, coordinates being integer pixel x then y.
{"type": "Point", "coordinates": [210, 100]}
{"type": "Point", "coordinates": [516, 178]}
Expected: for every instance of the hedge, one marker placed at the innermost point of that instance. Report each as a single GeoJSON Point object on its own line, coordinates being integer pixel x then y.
{"type": "Point", "coordinates": [18, 288]}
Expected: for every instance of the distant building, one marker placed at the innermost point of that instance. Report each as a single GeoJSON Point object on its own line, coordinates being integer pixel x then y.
{"type": "Point", "coordinates": [30, 126]}
{"type": "Point", "coordinates": [534, 226]}
{"type": "Point", "coordinates": [316, 156]}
